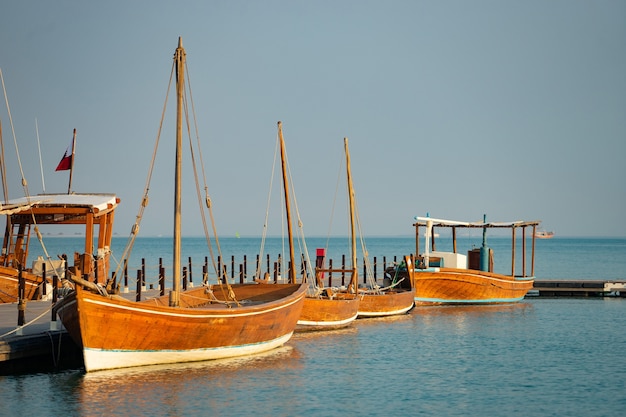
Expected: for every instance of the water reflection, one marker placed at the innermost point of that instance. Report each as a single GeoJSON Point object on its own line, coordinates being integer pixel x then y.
{"type": "Point", "coordinates": [280, 358]}
{"type": "Point", "coordinates": [171, 389]}
{"type": "Point", "coordinates": [447, 360]}
{"type": "Point", "coordinates": [472, 309]}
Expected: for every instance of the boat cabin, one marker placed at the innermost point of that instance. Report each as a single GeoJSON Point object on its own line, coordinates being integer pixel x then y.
{"type": "Point", "coordinates": [25, 215]}
{"type": "Point", "coordinates": [480, 259]}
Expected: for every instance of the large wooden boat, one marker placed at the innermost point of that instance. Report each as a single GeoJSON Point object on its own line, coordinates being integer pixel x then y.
{"type": "Point", "coordinates": [376, 301]}
{"type": "Point", "coordinates": [454, 278]}
{"type": "Point", "coordinates": [322, 308]}
{"type": "Point", "coordinates": [28, 215]}
{"type": "Point", "coordinates": [208, 322]}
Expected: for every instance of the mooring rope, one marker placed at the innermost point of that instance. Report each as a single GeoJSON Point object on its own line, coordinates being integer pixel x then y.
{"type": "Point", "coordinates": [27, 324]}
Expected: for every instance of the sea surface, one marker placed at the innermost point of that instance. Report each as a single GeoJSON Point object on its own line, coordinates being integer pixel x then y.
{"type": "Point", "coordinates": [539, 357]}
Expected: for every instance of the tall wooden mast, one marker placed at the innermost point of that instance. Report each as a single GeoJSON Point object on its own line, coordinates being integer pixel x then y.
{"type": "Point", "coordinates": [283, 159]}
{"type": "Point", "coordinates": [353, 282]}
{"type": "Point", "coordinates": [179, 60]}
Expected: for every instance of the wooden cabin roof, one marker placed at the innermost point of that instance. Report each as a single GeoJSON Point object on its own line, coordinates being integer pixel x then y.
{"type": "Point", "coordinates": [61, 203]}
{"type": "Point", "coordinates": [421, 221]}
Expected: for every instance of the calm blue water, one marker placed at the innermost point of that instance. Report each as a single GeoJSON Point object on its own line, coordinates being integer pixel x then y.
{"type": "Point", "coordinates": [557, 258]}
{"type": "Point", "coordinates": [539, 357]}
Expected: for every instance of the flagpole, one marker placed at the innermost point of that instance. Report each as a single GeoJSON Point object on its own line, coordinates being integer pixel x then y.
{"type": "Point", "coordinates": [69, 186]}
{"type": "Point", "coordinates": [43, 181]}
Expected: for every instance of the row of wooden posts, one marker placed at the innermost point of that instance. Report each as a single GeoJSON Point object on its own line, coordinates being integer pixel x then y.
{"type": "Point", "coordinates": [21, 293]}
{"type": "Point", "coordinates": [273, 269]}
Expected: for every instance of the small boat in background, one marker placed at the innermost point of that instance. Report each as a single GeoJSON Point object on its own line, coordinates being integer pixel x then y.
{"type": "Point", "coordinates": [542, 234]}
{"type": "Point", "coordinates": [453, 278]}
{"type": "Point", "coordinates": [323, 309]}
{"type": "Point", "coordinates": [376, 301]}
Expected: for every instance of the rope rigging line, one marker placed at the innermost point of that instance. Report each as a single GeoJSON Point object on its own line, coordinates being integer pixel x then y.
{"type": "Point", "coordinates": [145, 200]}
{"type": "Point", "coordinates": [207, 199]}
{"type": "Point", "coordinates": [187, 104]}
{"type": "Point", "coordinates": [24, 181]}
{"type": "Point", "coordinates": [334, 204]}
{"type": "Point", "coordinates": [17, 152]}
{"type": "Point", "coordinates": [224, 273]}
{"type": "Point", "coordinates": [301, 236]}
{"type": "Point", "coordinates": [267, 208]}
{"type": "Point", "coordinates": [3, 166]}
{"type": "Point", "coordinates": [26, 324]}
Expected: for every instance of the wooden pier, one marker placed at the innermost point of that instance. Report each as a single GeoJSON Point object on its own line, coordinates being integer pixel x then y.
{"type": "Point", "coordinates": [578, 288]}
{"type": "Point", "coordinates": [38, 346]}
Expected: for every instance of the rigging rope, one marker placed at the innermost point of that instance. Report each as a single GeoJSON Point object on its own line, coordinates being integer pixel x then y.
{"type": "Point", "coordinates": [27, 324]}
{"type": "Point", "coordinates": [301, 239]}
{"type": "Point", "coordinates": [24, 181]}
{"type": "Point", "coordinates": [267, 209]}
{"type": "Point", "coordinates": [224, 273]}
{"type": "Point", "coordinates": [145, 200]}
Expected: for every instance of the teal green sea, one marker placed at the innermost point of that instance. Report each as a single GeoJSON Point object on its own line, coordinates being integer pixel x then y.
{"type": "Point", "coordinates": [539, 357]}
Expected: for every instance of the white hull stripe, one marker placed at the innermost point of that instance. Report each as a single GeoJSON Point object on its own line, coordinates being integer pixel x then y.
{"type": "Point", "coordinates": [384, 313]}
{"type": "Point", "coordinates": [327, 323]}
{"type": "Point", "coordinates": [461, 301]}
{"type": "Point", "coordinates": [100, 359]}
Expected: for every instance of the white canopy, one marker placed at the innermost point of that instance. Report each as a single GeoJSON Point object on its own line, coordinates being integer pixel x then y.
{"type": "Point", "coordinates": [451, 223]}
{"type": "Point", "coordinates": [95, 201]}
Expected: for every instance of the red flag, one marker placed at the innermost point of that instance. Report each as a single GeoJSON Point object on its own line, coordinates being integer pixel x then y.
{"type": "Point", "coordinates": [66, 161]}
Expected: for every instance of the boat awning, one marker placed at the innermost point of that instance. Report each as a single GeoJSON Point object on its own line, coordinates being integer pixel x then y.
{"type": "Point", "coordinates": [424, 221]}
{"type": "Point", "coordinates": [60, 203]}
{"type": "Point", "coordinates": [10, 208]}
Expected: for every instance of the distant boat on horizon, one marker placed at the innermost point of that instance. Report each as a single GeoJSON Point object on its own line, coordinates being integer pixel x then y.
{"type": "Point", "coordinates": [542, 234]}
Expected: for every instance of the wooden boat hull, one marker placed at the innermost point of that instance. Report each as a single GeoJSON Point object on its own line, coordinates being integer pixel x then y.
{"type": "Point", "coordinates": [9, 285]}
{"type": "Point", "coordinates": [328, 313]}
{"type": "Point", "coordinates": [116, 333]}
{"type": "Point", "coordinates": [466, 286]}
{"type": "Point", "coordinates": [388, 303]}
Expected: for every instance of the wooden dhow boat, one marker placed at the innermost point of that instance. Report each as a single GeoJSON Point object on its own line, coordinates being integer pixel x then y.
{"type": "Point", "coordinates": [454, 278]}
{"type": "Point", "coordinates": [209, 322]}
{"type": "Point", "coordinates": [24, 218]}
{"type": "Point", "coordinates": [322, 308]}
{"type": "Point", "coordinates": [375, 301]}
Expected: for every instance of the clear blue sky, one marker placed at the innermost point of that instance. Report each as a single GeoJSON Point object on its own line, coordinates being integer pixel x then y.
{"type": "Point", "coordinates": [516, 109]}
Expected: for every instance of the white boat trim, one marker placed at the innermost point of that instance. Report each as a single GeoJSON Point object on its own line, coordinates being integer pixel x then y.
{"type": "Point", "coordinates": [474, 301]}
{"type": "Point", "coordinates": [101, 359]}
{"type": "Point", "coordinates": [384, 313]}
{"type": "Point", "coordinates": [327, 323]}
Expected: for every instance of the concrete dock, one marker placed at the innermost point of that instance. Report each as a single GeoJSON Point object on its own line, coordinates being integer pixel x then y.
{"type": "Point", "coordinates": [578, 288]}
{"type": "Point", "coordinates": [38, 346]}
{"type": "Point", "coordinates": [41, 345]}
